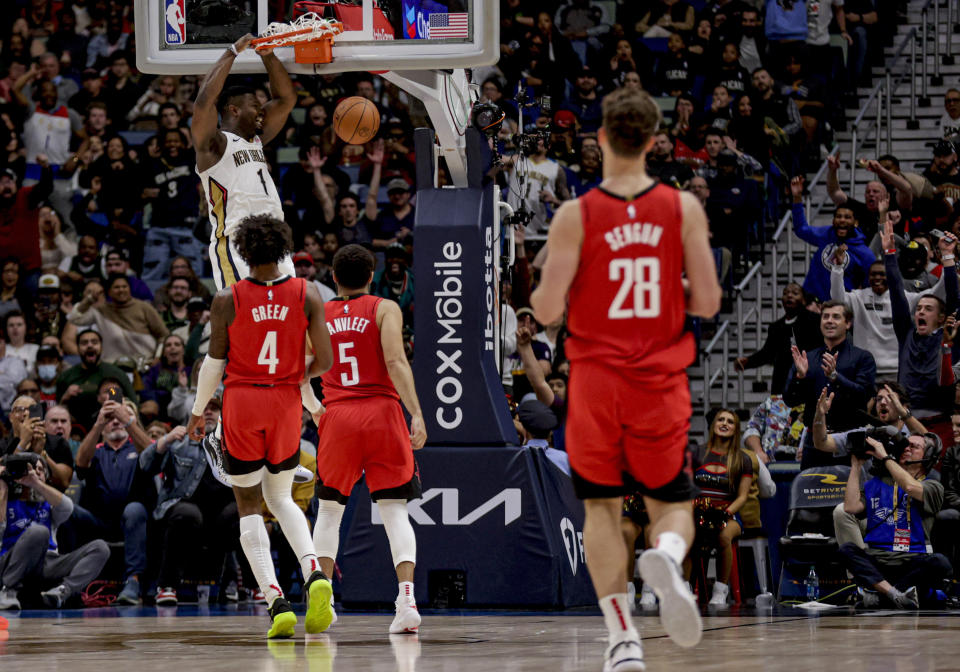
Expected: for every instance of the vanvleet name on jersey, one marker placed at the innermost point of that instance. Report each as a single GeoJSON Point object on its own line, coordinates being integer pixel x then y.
{"type": "Point", "coordinates": [340, 324]}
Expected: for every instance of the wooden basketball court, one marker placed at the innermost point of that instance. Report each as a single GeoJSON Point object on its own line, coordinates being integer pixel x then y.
{"type": "Point", "coordinates": [220, 639]}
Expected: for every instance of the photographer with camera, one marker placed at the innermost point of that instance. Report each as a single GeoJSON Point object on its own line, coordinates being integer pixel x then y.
{"type": "Point", "coordinates": [30, 436]}
{"type": "Point", "coordinates": [30, 512]}
{"type": "Point", "coordinates": [107, 464]}
{"type": "Point", "coordinates": [899, 505]}
{"type": "Point", "coordinates": [891, 407]}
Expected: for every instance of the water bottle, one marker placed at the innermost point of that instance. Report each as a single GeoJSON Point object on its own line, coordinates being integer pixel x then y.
{"type": "Point", "coordinates": [812, 584]}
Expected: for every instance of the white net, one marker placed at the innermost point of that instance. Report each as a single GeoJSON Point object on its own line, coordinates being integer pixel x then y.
{"type": "Point", "coordinates": [305, 28]}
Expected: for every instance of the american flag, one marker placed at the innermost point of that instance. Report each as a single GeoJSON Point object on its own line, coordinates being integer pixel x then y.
{"type": "Point", "coordinates": [448, 25]}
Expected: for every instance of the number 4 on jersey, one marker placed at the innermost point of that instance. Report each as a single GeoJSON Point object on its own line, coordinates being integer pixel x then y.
{"type": "Point", "coordinates": [268, 352]}
{"type": "Point", "coordinates": [643, 277]}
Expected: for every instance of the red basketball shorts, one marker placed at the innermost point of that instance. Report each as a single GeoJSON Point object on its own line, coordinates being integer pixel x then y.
{"type": "Point", "coordinates": [617, 424]}
{"type": "Point", "coordinates": [368, 437]}
{"type": "Point", "coordinates": [261, 428]}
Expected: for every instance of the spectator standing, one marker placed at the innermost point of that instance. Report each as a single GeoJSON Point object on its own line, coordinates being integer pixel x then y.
{"type": "Point", "coordinates": [19, 234]}
{"type": "Point", "coordinates": [395, 281]}
{"type": "Point", "coordinates": [923, 372]}
{"type": "Point", "coordinates": [861, 16]}
{"type": "Point", "coordinates": [121, 91]}
{"type": "Point", "coordinates": [49, 124]}
{"type": "Point", "coordinates": [15, 331]}
{"type": "Point", "coordinates": [753, 43]}
{"type": "Point", "coordinates": [781, 110]}
{"type": "Point", "coordinates": [873, 315]}
{"type": "Point", "coordinates": [85, 264]}
{"type": "Point", "coordinates": [107, 464]}
{"type": "Point", "coordinates": [798, 326]}
{"type": "Point", "coordinates": [842, 243]}
{"type": "Point", "coordinates": [845, 369]}
{"type": "Point", "coordinates": [130, 327]}
{"type": "Point", "coordinates": [949, 123]}
{"type": "Point", "coordinates": [54, 246]}
{"type": "Point", "coordinates": [48, 70]}
{"type": "Point", "coordinates": [394, 225]}
{"type": "Point", "coordinates": [12, 371]}
{"type": "Point", "coordinates": [172, 188]}
{"type": "Point", "coordinates": [103, 45]}
{"type": "Point", "coordinates": [28, 549]}
{"type": "Point", "coordinates": [544, 188]}
{"type": "Point", "coordinates": [674, 75]}
{"type": "Point", "coordinates": [585, 101]}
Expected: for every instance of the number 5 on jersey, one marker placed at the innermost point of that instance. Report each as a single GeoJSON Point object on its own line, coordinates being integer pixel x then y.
{"type": "Point", "coordinates": [643, 277]}
{"type": "Point", "coordinates": [354, 376]}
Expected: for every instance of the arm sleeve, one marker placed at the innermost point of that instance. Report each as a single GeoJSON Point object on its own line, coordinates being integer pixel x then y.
{"type": "Point", "coordinates": [902, 322]}
{"type": "Point", "coordinates": [149, 460]}
{"type": "Point", "coordinates": [950, 286]}
{"type": "Point", "coordinates": [804, 231]}
{"type": "Point", "coordinates": [864, 377]}
{"type": "Point", "coordinates": [211, 372]}
{"type": "Point", "coordinates": [62, 511]}
{"type": "Point", "coordinates": [765, 355]}
{"type": "Point", "coordinates": [82, 319]}
{"type": "Point", "coordinates": [181, 401]}
{"type": "Point", "coordinates": [838, 292]}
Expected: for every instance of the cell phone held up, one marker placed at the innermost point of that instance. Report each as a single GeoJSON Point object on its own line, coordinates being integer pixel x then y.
{"type": "Point", "coordinates": [114, 394]}
{"type": "Point", "coordinates": [35, 412]}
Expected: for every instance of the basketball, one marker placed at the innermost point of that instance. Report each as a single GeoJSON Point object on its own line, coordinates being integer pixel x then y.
{"type": "Point", "coordinates": [356, 120]}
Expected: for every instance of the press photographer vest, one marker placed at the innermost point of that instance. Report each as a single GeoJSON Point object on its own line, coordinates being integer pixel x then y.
{"type": "Point", "coordinates": [894, 519]}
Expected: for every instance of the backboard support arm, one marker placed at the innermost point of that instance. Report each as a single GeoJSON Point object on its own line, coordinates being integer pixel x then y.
{"type": "Point", "coordinates": [449, 98]}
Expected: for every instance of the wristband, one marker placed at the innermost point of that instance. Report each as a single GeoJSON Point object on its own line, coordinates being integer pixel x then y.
{"type": "Point", "coordinates": [892, 250]}
{"type": "Point", "coordinates": [887, 458]}
{"type": "Point", "coordinates": [906, 416]}
{"type": "Point", "coordinates": [129, 422]}
{"type": "Point", "coordinates": [233, 48]}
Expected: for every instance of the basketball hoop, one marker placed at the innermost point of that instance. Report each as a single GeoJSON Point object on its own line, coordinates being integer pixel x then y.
{"type": "Point", "coordinates": [310, 36]}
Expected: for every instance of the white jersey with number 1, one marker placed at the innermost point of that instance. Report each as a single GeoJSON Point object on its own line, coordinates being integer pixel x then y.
{"type": "Point", "coordinates": [237, 186]}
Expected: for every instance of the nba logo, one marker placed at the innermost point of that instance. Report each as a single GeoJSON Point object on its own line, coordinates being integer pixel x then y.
{"type": "Point", "coordinates": [176, 28]}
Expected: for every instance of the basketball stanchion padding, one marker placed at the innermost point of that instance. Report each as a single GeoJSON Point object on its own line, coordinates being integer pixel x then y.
{"type": "Point", "coordinates": [310, 36]}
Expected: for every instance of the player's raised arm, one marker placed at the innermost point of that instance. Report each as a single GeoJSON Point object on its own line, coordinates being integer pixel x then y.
{"type": "Point", "coordinates": [206, 135]}
{"type": "Point", "coordinates": [222, 313]}
{"type": "Point", "coordinates": [283, 97]}
{"type": "Point", "coordinates": [390, 322]}
{"type": "Point", "coordinates": [549, 300]}
{"type": "Point", "coordinates": [705, 293]}
{"type": "Point", "coordinates": [319, 336]}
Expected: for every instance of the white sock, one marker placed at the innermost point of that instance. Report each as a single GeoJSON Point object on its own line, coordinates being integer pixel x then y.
{"type": "Point", "coordinates": [406, 592]}
{"type": "Point", "coordinates": [277, 495]}
{"type": "Point", "coordinates": [256, 546]}
{"type": "Point", "coordinates": [673, 545]}
{"type": "Point", "coordinates": [616, 614]}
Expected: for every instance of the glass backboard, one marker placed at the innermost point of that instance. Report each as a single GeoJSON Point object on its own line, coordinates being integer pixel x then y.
{"type": "Point", "coordinates": [187, 36]}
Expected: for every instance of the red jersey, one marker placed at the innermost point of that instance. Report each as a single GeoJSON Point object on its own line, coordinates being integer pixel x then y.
{"type": "Point", "coordinates": [627, 304]}
{"type": "Point", "coordinates": [268, 333]}
{"type": "Point", "coordinates": [358, 367]}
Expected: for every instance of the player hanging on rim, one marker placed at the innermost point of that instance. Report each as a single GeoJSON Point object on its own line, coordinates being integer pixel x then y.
{"type": "Point", "coordinates": [236, 177]}
{"type": "Point", "coordinates": [363, 430]}
{"type": "Point", "coordinates": [260, 325]}
{"type": "Point", "coordinates": [621, 252]}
